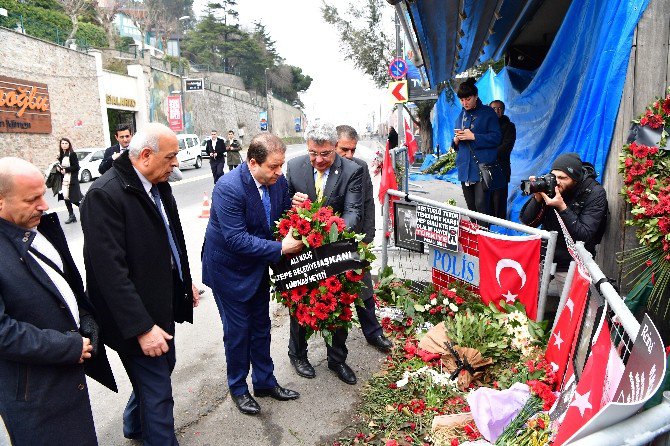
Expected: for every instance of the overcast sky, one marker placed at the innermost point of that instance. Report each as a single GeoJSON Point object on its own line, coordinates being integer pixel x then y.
{"type": "Point", "coordinates": [339, 92]}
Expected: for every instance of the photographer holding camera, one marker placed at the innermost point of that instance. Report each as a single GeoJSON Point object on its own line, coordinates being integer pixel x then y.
{"type": "Point", "coordinates": [572, 190]}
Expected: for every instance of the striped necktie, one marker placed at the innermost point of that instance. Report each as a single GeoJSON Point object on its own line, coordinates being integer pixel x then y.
{"type": "Point", "coordinates": [318, 184]}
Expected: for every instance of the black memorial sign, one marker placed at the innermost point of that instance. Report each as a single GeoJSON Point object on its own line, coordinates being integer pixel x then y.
{"type": "Point", "coordinates": [317, 264]}
{"type": "Point", "coordinates": [437, 227]}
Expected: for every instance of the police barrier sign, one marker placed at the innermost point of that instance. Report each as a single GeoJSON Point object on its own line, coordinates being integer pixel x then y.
{"type": "Point", "coordinates": [456, 264]}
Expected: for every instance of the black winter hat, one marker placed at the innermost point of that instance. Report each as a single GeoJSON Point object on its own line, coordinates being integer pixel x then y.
{"type": "Point", "coordinates": [571, 164]}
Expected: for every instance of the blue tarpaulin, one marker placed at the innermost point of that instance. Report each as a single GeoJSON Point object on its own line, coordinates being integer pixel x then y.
{"type": "Point", "coordinates": [571, 102]}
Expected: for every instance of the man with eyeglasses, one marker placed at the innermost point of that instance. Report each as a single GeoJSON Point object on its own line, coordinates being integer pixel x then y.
{"type": "Point", "coordinates": [508, 130]}
{"type": "Point", "coordinates": [347, 140]}
{"type": "Point", "coordinates": [322, 174]}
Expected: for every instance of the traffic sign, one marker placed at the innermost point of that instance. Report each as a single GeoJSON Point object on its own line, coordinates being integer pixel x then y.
{"type": "Point", "coordinates": [398, 91]}
{"type": "Point", "coordinates": [398, 68]}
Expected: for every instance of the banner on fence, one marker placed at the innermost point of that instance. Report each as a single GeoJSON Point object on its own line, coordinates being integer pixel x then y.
{"type": "Point", "coordinates": [437, 227]}
{"type": "Point", "coordinates": [317, 264]}
{"type": "Point", "coordinates": [456, 264]}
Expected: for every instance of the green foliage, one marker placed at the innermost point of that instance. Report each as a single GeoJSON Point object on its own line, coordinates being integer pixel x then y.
{"type": "Point", "coordinates": [124, 43]}
{"type": "Point", "coordinates": [478, 331]}
{"type": "Point", "coordinates": [49, 24]}
{"type": "Point", "coordinates": [443, 164]}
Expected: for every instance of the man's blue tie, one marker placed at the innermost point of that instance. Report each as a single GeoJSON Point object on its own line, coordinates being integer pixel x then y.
{"type": "Point", "coordinates": [173, 246]}
{"type": "Point", "coordinates": [266, 204]}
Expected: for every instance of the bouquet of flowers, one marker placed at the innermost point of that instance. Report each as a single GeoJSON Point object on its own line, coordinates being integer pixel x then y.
{"type": "Point", "coordinates": [377, 163]}
{"type": "Point", "coordinates": [647, 189]}
{"type": "Point", "coordinates": [323, 305]}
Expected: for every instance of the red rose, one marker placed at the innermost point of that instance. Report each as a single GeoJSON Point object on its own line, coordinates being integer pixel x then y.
{"type": "Point", "coordinates": [459, 301]}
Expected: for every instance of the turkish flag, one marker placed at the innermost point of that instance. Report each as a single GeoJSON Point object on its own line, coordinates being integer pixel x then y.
{"type": "Point", "coordinates": [509, 269]}
{"type": "Point", "coordinates": [388, 180]}
{"type": "Point", "coordinates": [410, 142]}
{"type": "Point", "coordinates": [588, 397]}
{"type": "Point", "coordinates": [560, 346]}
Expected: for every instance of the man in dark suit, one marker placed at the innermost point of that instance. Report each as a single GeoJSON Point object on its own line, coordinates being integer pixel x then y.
{"type": "Point", "coordinates": [347, 140]}
{"type": "Point", "coordinates": [123, 136]}
{"type": "Point", "coordinates": [508, 130]}
{"type": "Point", "coordinates": [138, 277]}
{"type": "Point", "coordinates": [216, 149]}
{"type": "Point", "coordinates": [233, 147]}
{"type": "Point", "coordinates": [239, 247]}
{"type": "Point", "coordinates": [48, 337]}
{"type": "Point", "coordinates": [323, 174]}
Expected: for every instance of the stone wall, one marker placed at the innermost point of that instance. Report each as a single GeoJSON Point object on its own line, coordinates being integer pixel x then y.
{"type": "Point", "coordinates": [73, 95]}
{"type": "Point", "coordinates": [282, 118]}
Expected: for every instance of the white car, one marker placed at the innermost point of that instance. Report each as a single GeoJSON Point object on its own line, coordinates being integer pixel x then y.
{"type": "Point", "coordinates": [189, 151]}
{"type": "Point", "coordinates": [89, 161]}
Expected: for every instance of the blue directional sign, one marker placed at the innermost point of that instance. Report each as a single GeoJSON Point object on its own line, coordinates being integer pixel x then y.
{"type": "Point", "coordinates": [398, 68]}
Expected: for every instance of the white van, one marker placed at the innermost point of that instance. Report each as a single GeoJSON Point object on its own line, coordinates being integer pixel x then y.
{"type": "Point", "coordinates": [189, 151]}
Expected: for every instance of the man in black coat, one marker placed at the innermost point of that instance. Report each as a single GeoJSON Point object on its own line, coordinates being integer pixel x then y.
{"type": "Point", "coordinates": [123, 136]}
{"type": "Point", "coordinates": [138, 276]}
{"type": "Point", "coordinates": [347, 140]}
{"type": "Point", "coordinates": [579, 201]}
{"type": "Point", "coordinates": [508, 130]}
{"type": "Point", "coordinates": [48, 337]}
{"type": "Point", "coordinates": [216, 149]}
{"type": "Point", "coordinates": [322, 173]}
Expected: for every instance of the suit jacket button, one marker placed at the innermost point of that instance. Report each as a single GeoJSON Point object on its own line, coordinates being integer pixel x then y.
{"type": "Point", "coordinates": [81, 386]}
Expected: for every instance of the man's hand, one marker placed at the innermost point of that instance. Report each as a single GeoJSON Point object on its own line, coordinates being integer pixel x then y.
{"type": "Point", "coordinates": [115, 155]}
{"type": "Point", "coordinates": [290, 245]}
{"type": "Point", "coordinates": [298, 198]}
{"type": "Point", "coordinates": [154, 342]}
{"type": "Point", "coordinates": [86, 349]}
{"type": "Point", "coordinates": [196, 295]}
{"type": "Point", "coordinates": [555, 202]}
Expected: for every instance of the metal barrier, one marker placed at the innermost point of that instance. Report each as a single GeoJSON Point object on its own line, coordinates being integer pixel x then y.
{"type": "Point", "coordinates": [548, 238]}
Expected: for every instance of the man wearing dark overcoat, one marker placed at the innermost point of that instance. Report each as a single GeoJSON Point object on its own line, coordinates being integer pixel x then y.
{"type": "Point", "coordinates": [48, 337]}
{"type": "Point", "coordinates": [138, 276]}
{"type": "Point", "coordinates": [216, 150]}
{"type": "Point", "coordinates": [239, 247]}
{"type": "Point", "coordinates": [322, 174]}
{"type": "Point", "coordinates": [347, 140]}
{"type": "Point", "coordinates": [123, 135]}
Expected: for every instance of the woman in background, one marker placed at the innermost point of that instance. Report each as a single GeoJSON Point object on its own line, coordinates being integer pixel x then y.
{"type": "Point", "coordinates": [70, 192]}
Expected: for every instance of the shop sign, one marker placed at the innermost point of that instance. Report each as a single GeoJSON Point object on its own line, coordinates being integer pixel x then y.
{"type": "Point", "coordinates": [121, 102]}
{"type": "Point", "coordinates": [24, 106]}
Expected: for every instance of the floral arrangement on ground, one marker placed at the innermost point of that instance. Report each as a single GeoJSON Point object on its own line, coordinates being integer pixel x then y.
{"type": "Point", "coordinates": [448, 343]}
{"type": "Point", "coordinates": [647, 189]}
{"type": "Point", "coordinates": [443, 164]}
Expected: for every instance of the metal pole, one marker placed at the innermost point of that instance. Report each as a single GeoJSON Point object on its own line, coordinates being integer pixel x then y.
{"type": "Point", "coordinates": [546, 275]}
{"type": "Point", "coordinates": [400, 128]}
{"type": "Point", "coordinates": [385, 230]}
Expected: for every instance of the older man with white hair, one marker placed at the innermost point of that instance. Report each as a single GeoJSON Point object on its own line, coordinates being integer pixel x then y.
{"type": "Point", "coordinates": [138, 275]}
{"type": "Point", "coordinates": [322, 174]}
{"type": "Point", "coordinates": [48, 338]}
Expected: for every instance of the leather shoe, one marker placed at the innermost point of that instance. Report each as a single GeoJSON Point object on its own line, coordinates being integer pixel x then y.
{"type": "Point", "coordinates": [71, 219]}
{"type": "Point", "coordinates": [278, 392]}
{"type": "Point", "coordinates": [344, 372]}
{"type": "Point", "coordinates": [246, 404]}
{"type": "Point", "coordinates": [381, 343]}
{"type": "Point", "coordinates": [303, 367]}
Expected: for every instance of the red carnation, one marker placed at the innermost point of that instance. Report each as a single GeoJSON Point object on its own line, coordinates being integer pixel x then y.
{"type": "Point", "coordinates": [323, 214]}
{"type": "Point", "coordinates": [284, 226]}
{"type": "Point", "coordinates": [346, 314]}
{"type": "Point", "coordinates": [352, 276]}
{"type": "Point", "coordinates": [303, 227]}
{"type": "Point", "coordinates": [306, 204]}
{"type": "Point", "coordinates": [315, 239]}
{"type": "Point", "coordinates": [337, 221]}
{"type": "Point", "coordinates": [347, 298]}
{"type": "Point", "coordinates": [333, 284]}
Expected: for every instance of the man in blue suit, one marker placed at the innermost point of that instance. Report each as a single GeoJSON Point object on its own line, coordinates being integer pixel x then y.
{"type": "Point", "coordinates": [239, 247]}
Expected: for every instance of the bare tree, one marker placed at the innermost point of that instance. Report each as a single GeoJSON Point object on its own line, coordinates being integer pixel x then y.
{"type": "Point", "coordinates": [105, 13]}
{"type": "Point", "coordinates": [72, 9]}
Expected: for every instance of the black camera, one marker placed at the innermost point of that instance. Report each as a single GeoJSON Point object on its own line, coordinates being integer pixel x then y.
{"type": "Point", "coordinates": [542, 183]}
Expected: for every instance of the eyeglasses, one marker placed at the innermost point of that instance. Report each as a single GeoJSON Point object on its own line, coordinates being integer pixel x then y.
{"type": "Point", "coordinates": [325, 154]}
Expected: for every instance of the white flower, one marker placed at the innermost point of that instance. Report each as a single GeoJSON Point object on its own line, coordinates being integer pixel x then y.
{"type": "Point", "coordinates": [445, 302]}
{"type": "Point", "coordinates": [426, 307]}
{"type": "Point", "coordinates": [433, 301]}
{"type": "Point", "coordinates": [453, 307]}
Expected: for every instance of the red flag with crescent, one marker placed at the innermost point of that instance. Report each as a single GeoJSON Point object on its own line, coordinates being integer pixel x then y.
{"type": "Point", "coordinates": [410, 142]}
{"type": "Point", "coordinates": [509, 269]}
{"type": "Point", "coordinates": [561, 342]}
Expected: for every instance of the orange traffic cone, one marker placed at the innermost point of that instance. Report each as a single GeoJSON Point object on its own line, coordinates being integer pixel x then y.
{"type": "Point", "coordinates": [206, 205]}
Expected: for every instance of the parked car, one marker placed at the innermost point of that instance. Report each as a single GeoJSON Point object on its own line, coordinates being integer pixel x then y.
{"type": "Point", "coordinates": [89, 161]}
{"type": "Point", "coordinates": [189, 151]}
{"type": "Point", "coordinates": [203, 147]}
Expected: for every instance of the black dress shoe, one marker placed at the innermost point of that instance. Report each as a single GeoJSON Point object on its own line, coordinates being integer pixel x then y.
{"type": "Point", "coordinates": [303, 367]}
{"type": "Point", "coordinates": [344, 372]}
{"type": "Point", "coordinates": [72, 219]}
{"type": "Point", "coordinates": [381, 343]}
{"type": "Point", "coordinates": [246, 404]}
{"type": "Point", "coordinates": [278, 393]}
